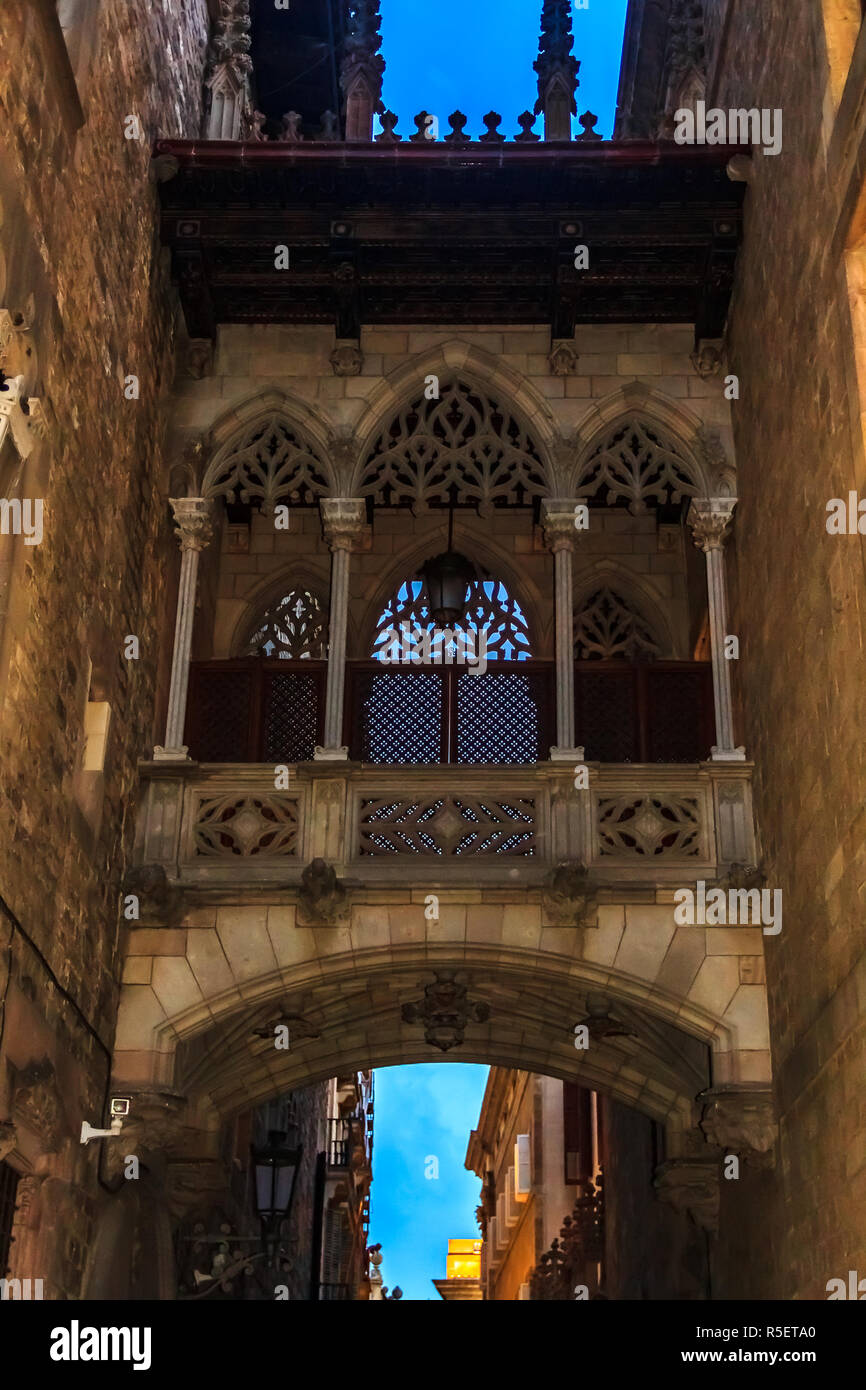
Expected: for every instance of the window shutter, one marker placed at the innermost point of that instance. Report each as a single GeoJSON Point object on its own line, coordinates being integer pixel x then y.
{"type": "Point", "coordinates": [522, 1170]}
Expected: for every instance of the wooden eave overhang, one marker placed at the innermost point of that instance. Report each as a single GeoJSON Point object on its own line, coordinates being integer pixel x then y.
{"type": "Point", "coordinates": [406, 233]}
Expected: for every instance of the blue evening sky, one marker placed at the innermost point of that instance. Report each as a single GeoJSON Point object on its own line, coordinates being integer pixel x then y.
{"type": "Point", "coordinates": [476, 56]}
{"type": "Point", "coordinates": [421, 1112]}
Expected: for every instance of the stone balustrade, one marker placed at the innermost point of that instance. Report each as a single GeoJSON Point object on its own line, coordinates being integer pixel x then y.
{"type": "Point", "coordinates": [639, 825]}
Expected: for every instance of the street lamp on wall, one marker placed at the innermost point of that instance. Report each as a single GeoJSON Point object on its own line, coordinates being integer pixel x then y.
{"type": "Point", "coordinates": [276, 1166]}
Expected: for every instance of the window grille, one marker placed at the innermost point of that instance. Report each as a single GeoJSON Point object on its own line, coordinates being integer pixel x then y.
{"type": "Point", "coordinates": [294, 628]}
{"type": "Point", "coordinates": [491, 611]}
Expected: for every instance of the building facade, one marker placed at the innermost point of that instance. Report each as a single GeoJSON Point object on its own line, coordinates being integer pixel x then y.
{"type": "Point", "coordinates": [569, 1207]}
{"type": "Point", "coordinates": [241, 413]}
{"type": "Point", "coordinates": [462, 1282]}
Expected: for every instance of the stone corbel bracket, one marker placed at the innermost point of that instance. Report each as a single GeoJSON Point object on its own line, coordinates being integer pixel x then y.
{"type": "Point", "coordinates": [691, 1186]}
{"type": "Point", "coordinates": [569, 899]}
{"type": "Point", "coordinates": [322, 899]}
{"type": "Point", "coordinates": [741, 1119]}
{"type": "Point", "coordinates": [161, 903]}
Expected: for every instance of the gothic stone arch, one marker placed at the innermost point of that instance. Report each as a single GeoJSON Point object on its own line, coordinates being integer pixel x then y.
{"type": "Point", "coordinates": [197, 994]}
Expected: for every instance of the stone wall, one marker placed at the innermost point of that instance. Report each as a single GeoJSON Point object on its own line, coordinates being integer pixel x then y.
{"type": "Point", "coordinates": [651, 1251]}
{"type": "Point", "coordinates": [77, 222]}
{"type": "Point", "coordinates": [798, 606]}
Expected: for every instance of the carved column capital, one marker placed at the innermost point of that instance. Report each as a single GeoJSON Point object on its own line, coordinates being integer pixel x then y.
{"type": "Point", "coordinates": [691, 1186]}
{"type": "Point", "coordinates": [344, 522]}
{"type": "Point", "coordinates": [710, 519]}
{"type": "Point", "coordinates": [741, 1119]}
{"type": "Point", "coordinates": [194, 521]}
{"type": "Point", "coordinates": [558, 516]}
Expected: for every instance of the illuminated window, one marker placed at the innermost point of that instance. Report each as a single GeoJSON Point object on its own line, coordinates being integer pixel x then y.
{"type": "Point", "coordinates": [492, 611]}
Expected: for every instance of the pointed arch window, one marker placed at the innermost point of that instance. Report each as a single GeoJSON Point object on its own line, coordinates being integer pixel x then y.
{"type": "Point", "coordinates": [295, 628]}
{"type": "Point", "coordinates": [492, 613]}
{"type": "Point", "coordinates": [607, 627]}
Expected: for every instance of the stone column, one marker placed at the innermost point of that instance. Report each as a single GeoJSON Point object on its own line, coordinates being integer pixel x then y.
{"type": "Point", "coordinates": [344, 523]}
{"type": "Point", "coordinates": [194, 523]}
{"type": "Point", "coordinates": [710, 519]}
{"type": "Point", "coordinates": [557, 519]}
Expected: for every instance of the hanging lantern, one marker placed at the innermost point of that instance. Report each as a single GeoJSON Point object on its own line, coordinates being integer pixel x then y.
{"type": "Point", "coordinates": [446, 579]}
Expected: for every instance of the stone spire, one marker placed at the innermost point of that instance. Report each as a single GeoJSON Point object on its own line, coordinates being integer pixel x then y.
{"type": "Point", "coordinates": [228, 74]}
{"type": "Point", "coordinates": [362, 68]}
{"type": "Point", "coordinates": [557, 70]}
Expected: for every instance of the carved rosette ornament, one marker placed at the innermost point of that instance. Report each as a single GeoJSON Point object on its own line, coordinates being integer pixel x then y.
{"type": "Point", "coordinates": [445, 1011]}
{"type": "Point", "coordinates": [741, 1120]}
{"type": "Point", "coordinates": [691, 1186]}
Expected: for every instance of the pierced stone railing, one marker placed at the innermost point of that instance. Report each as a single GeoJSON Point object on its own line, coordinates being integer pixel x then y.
{"type": "Point", "coordinates": [218, 825]}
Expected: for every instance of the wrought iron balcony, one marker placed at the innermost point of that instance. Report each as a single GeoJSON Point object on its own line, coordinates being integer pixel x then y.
{"type": "Point", "coordinates": [260, 710]}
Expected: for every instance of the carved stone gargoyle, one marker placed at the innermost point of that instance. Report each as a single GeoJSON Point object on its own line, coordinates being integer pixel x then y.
{"type": "Point", "coordinates": [445, 1011]}
{"type": "Point", "coordinates": [160, 902]}
{"type": "Point", "coordinates": [322, 898]}
{"type": "Point", "coordinates": [569, 900]}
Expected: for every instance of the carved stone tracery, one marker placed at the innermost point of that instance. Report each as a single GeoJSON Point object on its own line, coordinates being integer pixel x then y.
{"type": "Point", "coordinates": [607, 627]}
{"type": "Point", "coordinates": [463, 445]}
{"type": "Point", "coordinates": [271, 462]}
{"type": "Point", "coordinates": [294, 628]}
{"type": "Point", "coordinates": [638, 463]}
